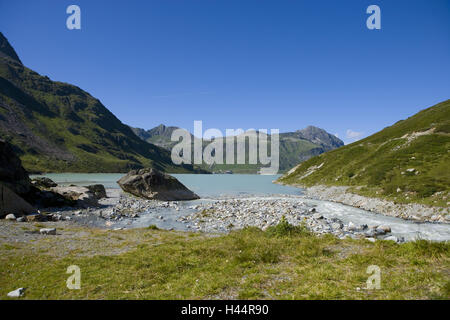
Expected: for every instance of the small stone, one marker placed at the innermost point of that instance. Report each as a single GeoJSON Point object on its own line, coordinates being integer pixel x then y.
{"type": "Point", "coordinates": [51, 231]}
{"type": "Point", "coordinates": [391, 238]}
{"type": "Point", "coordinates": [371, 239]}
{"type": "Point", "coordinates": [10, 217]}
{"type": "Point", "coordinates": [352, 226]}
{"type": "Point", "coordinates": [21, 219]}
{"type": "Point", "coordinates": [370, 233]}
{"type": "Point", "coordinates": [16, 293]}
{"type": "Point", "coordinates": [336, 225]}
{"type": "Point", "coordinates": [312, 210]}
{"type": "Point", "coordinates": [317, 216]}
{"type": "Point", "coordinates": [385, 228]}
{"type": "Point", "coordinates": [36, 217]}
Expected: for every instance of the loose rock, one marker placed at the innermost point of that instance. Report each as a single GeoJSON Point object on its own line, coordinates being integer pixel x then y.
{"type": "Point", "coordinates": [17, 293]}
{"type": "Point", "coordinates": [10, 217]}
{"type": "Point", "coordinates": [50, 231]}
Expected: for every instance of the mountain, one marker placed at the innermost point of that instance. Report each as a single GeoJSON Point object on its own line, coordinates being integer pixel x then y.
{"type": "Point", "coordinates": [406, 162]}
{"type": "Point", "coordinates": [58, 127]}
{"type": "Point", "coordinates": [159, 136]}
{"type": "Point", "coordinates": [303, 144]}
{"type": "Point", "coordinates": [294, 146]}
{"type": "Point", "coordinates": [7, 51]}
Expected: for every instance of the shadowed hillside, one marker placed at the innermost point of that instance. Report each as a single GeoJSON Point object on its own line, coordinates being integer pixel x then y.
{"type": "Point", "coordinates": [58, 127]}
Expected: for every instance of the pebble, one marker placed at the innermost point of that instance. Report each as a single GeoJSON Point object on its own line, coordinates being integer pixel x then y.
{"type": "Point", "coordinates": [391, 238]}
{"type": "Point", "coordinates": [17, 293]}
{"type": "Point", "coordinates": [51, 231]}
{"type": "Point", "coordinates": [385, 228]}
{"type": "Point", "coordinates": [10, 217]}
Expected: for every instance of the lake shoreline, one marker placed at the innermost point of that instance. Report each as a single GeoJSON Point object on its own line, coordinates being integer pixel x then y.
{"type": "Point", "coordinates": [231, 202]}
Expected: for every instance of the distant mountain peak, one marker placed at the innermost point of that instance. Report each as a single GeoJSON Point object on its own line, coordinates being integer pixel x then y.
{"type": "Point", "coordinates": [161, 130]}
{"type": "Point", "coordinates": [6, 50]}
{"type": "Point", "coordinates": [319, 136]}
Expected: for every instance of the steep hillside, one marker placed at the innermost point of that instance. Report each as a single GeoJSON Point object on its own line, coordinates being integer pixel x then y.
{"type": "Point", "coordinates": [406, 162]}
{"type": "Point", "coordinates": [58, 127]}
{"type": "Point", "coordinates": [294, 146]}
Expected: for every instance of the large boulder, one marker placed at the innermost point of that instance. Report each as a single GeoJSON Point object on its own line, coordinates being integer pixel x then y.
{"type": "Point", "coordinates": [11, 203]}
{"type": "Point", "coordinates": [12, 174]}
{"type": "Point", "coordinates": [150, 183]}
{"type": "Point", "coordinates": [81, 195]}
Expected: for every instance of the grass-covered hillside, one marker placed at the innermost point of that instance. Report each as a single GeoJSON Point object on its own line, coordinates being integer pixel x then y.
{"type": "Point", "coordinates": [294, 147]}
{"type": "Point", "coordinates": [406, 162]}
{"type": "Point", "coordinates": [57, 127]}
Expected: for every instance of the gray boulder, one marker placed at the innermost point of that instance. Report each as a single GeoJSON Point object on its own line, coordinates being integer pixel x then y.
{"type": "Point", "coordinates": [43, 183]}
{"type": "Point", "coordinates": [98, 190]}
{"type": "Point", "coordinates": [150, 183]}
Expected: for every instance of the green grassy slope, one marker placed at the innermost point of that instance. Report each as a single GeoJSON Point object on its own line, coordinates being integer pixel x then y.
{"type": "Point", "coordinates": [406, 162]}
{"type": "Point", "coordinates": [246, 264]}
{"type": "Point", "coordinates": [58, 127]}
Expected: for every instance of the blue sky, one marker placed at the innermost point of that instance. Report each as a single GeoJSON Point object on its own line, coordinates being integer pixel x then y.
{"type": "Point", "coordinates": [241, 63]}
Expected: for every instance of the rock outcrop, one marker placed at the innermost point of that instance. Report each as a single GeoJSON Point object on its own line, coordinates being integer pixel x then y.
{"type": "Point", "coordinates": [150, 183]}
{"type": "Point", "coordinates": [12, 174]}
{"type": "Point", "coordinates": [11, 203]}
{"type": "Point", "coordinates": [14, 183]}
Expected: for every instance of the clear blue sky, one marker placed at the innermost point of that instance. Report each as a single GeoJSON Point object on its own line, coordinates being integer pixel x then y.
{"type": "Point", "coordinates": [240, 63]}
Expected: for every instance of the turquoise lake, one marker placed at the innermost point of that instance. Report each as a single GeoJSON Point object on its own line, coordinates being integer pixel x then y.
{"type": "Point", "coordinates": [205, 185]}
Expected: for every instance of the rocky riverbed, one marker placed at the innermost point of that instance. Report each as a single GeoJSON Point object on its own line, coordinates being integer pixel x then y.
{"type": "Point", "coordinates": [411, 211]}
{"type": "Point", "coordinates": [223, 214]}
{"type": "Point", "coordinates": [226, 215]}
